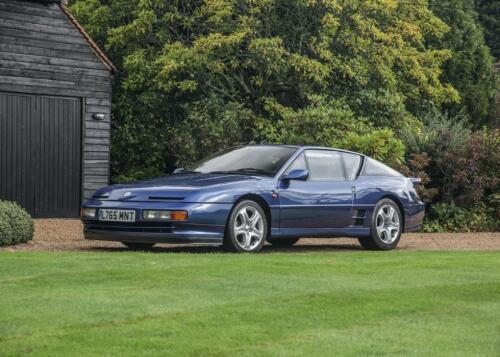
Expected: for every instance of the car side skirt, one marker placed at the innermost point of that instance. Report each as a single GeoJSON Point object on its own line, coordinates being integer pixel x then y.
{"type": "Point", "coordinates": [320, 232]}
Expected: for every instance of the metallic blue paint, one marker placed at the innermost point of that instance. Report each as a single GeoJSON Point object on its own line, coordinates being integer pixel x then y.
{"type": "Point", "coordinates": [297, 208]}
{"type": "Point", "coordinates": [306, 204]}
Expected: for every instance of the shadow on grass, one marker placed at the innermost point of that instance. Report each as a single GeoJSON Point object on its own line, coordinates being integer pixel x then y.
{"type": "Point", "coordinates": [207, 249]}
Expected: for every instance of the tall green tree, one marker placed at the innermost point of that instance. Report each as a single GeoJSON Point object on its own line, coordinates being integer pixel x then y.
{"type": "Point", "coordinates": [470, 69]}
{"type": "Point", "coordinates": [489, 17]}
{"type": "Point", "coordinates": [197, 75]}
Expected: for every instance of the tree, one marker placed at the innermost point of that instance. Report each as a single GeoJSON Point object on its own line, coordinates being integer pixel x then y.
{"type": "Point", "coordinates": [195, 75]}
{"type": "Point", "coordinates": [470, 69]}
{"type": "Point", "coordinates": [489, 17]}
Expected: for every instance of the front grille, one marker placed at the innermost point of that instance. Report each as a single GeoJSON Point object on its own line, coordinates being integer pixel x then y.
{"type": "Point", "coordinates": [145, 227]}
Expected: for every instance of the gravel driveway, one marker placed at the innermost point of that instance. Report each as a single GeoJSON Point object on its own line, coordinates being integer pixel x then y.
{"type": "Point", "coordinates": [66, 235]}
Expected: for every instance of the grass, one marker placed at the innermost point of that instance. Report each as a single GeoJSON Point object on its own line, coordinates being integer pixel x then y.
{"type": "Point", "coordinates": [405, 303]}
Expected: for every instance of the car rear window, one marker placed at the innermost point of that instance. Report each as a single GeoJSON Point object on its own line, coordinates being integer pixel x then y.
{"type": "Point", "coordinates": [375, 168]}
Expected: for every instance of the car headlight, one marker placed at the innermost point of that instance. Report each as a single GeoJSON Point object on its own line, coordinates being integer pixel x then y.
{"type": "Point", "coordinates": [161, 215]}
{"type": "Point", "coordinates": [88, 212]}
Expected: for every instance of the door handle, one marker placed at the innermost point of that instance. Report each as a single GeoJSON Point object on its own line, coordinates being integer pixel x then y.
{"type": "Point", "coordinates": [353, 189]}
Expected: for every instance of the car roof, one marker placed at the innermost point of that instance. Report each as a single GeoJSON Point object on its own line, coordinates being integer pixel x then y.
{"type": "Point", "coordinates": [307, 147]}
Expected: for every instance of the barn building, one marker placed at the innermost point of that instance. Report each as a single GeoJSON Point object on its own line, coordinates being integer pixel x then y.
{"type": "Point", "coordinates": [55, 106]}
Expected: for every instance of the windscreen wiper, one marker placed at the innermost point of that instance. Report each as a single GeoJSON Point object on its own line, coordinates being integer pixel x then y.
{"type": "Point", "coordinates": [246, 170]}
{"type": "Point", "coordinates": [257, 171]}
{"type": "Point", "coordinates": [186, 172]}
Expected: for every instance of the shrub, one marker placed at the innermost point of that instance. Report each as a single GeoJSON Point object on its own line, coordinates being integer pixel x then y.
{"type": "Point", "coordinates": [472, 172]}
{"type": "Point", "coordinates": [16, 225]}
{"type": "Point", "coordinates": [463, 164]}
{"type": "Point", "coordinates": [323, 122]}
{"type": "Point", "coordinates": [444, 217]}
{"type": "Point", "coordinates": [440, 133]}
{"type": "Point", "coordinates": [379, 144]}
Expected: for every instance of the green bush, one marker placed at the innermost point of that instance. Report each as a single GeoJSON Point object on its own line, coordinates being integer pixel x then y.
{"type": "Point", "coordinates": [379, 144]}
{"type": "Point", "coordinates": [197, 76]}
{"type": "Point", "coordinates": [16, 225]}
{"type": "Point", "coordinates": [444, 217]}
{"type": "Point", "coordinates": [323, 122]}
{"type": "Point", "coordinates": [459, 171]}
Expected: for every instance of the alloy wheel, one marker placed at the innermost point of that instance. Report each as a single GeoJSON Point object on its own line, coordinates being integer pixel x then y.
{"type": "Point", "coordinates": [248, 227]}
{"type": "Point", "coordinates": [387, 223]}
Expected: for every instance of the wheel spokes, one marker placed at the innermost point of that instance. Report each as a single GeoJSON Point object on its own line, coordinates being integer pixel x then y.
{"type": "Point", "coordinates": [246, 217]}
{"type": "Point", "coordinates": [248, 227]}
{"type": "Point", "coordinates": [255, 220]}
{"type": "Point", "coordinates": [380, 220]}
{"type": "Point", "coordinates": [238, 231]}
{"type": "Point", "coordinates": [386, 234]}
{"type": "Point", "coordinates": [247, 242]}
{"type": "Point", "coordinates": [387, 224]}
{"type": "Point", "coordinates": [390, 214]}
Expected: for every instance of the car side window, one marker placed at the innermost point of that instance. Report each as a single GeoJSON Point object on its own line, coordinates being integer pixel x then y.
{"type": "Point", "coordinates": [325, 165]}
{"type": "Point", "coordinates": [375, 168]}
{"type": "Point", "coordinates": [298, 164]}
{"type": "Point", "coordinates": [351, 164]}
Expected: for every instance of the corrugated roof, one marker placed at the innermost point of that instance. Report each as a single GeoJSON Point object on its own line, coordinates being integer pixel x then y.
{"type": "Point", "coordinates": [99, 53]}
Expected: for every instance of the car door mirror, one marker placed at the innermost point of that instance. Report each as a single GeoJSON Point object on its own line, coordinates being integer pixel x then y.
{"type": "Point", "coordinates": [298, 174]}
{"type": "Point", "coordinates": [179, 170]}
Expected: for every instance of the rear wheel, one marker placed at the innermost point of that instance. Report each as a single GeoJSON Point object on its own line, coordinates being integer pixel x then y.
{"type": "Point", "coordinates": [138, 246]}
{"type": "Point", "coordinates": [283, 242]}
{"type": "Point", "coordinates": [386, 227]}
{"type": "Point", "coordinates": [246, 229]}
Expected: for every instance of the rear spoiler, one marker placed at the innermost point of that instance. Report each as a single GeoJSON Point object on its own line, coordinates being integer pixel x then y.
{"type": "Point", "coordinates": [415, 180]}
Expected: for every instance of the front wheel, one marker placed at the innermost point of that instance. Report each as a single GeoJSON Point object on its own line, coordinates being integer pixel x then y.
{"type": "Point", "coordinates": [386, 227]}
{"type": "Point", "coordinates": [138, 246]}
{"type": "Point", "coordinates": [283, 242]}
{"type": "Point", "coordinates": [246, 229]}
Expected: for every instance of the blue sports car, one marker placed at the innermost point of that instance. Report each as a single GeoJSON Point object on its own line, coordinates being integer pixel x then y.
{"type": "Point", "coordinates": [247, 195]}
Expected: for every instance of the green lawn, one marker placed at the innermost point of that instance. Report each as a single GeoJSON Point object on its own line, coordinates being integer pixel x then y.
{"type": "Point", "coordinates": [412, 303]}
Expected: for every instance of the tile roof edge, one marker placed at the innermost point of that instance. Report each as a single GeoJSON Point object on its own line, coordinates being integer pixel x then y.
{"type": "Point", "coordinates": [95, 48]}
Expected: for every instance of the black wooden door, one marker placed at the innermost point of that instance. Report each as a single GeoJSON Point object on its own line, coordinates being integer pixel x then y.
{"type": "Point", "coordinates": [40, 153]}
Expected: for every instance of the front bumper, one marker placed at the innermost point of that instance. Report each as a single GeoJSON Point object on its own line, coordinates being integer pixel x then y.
{"type": "Point", "coordinates": [151, 237]}
{"type": "Point", "coordinates": [206, 223]}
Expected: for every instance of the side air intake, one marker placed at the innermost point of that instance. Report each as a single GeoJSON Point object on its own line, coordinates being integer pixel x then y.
{"type": "Point", "coordinates": [359, 217]}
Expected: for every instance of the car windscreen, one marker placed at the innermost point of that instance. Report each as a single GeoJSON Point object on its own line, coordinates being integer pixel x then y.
{"type": "Point", "coordinates": [266, 160]}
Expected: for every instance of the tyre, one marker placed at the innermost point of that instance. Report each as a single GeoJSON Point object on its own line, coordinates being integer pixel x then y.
{"type": "Point", "coordinates": [246, 229]}
{"type": "Point", "coordinates": [138, 246]}
{"type": "Point", "coordinates": [386, 227]}
{"type": "Point", "coordinates": [283, 242]}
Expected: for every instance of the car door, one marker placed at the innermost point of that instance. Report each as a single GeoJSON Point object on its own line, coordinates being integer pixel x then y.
{"type": "Point", "coordinates": [322, 201]}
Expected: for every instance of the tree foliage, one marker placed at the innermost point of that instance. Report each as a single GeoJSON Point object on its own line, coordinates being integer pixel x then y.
{"type": "Point", "coordinates": [198, 75]}
{"type": "Point", "coordinates": [489, 16]}
{"type": "Point", "coordinates": [469, 69]}
{"type": "Point", "coordinates": [407, 82]}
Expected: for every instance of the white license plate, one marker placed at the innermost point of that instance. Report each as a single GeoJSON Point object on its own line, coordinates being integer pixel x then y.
{"type": "Point", "coordinates": [116, 215]}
